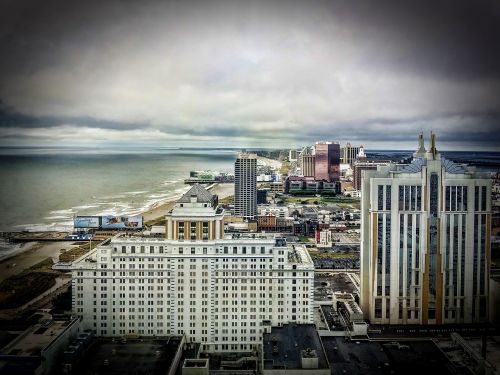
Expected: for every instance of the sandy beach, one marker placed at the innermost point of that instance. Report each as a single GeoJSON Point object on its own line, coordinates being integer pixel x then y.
{"type": "Point", "coordinates": [17, 262]}
{"type": "Point", "coordinates": [32, 256]}
{"type": "Point", "coordinates": [161, 209]}
{"type": "Point", "coordinates": [271, 162]}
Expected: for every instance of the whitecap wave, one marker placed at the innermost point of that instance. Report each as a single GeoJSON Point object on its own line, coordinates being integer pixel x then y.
{"type": "Point", "coordinates": [156, 196]}
{"type": "Point", "coordinates": [169, 182]}
{"type": "Point", "coordinates": [57, 217]}
{"type": "Point", "coordinates": [62, 212]}
{"type": "Point", "coordinates": [136, 192]}
{"type": "Point", "coordinates": [87, 206]}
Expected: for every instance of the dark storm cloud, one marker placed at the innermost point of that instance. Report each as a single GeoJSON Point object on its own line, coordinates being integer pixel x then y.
{"type": "Point", "coordinates": [457, 39]}
{"type": "Point", "coordinates": [12, 119]}
{"type": "Point", "coordinates": [281, 72]}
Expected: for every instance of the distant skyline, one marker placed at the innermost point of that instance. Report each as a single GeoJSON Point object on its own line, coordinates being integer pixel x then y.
{"type": "Point", "coordinates": [270, 74]}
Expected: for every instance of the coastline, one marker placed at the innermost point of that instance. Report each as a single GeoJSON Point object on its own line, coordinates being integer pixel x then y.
{"type": "Point", "coordinates": [160, 209]}
{"type": "Point", "coordinates": [27, 255]}
{"type": "Point", "coordinates": [31, 256]}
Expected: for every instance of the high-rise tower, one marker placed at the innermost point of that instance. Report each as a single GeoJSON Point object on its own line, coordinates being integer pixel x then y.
{"type": "Point", "coordinates": [327, 161]}
{"type": "Point", "coordinates": [425, 242]}
{"type": "Point", "coordinates": [348, 153]}
{"type": "Point", "coordinates": [245, 185]}
{"type": "Point", "coordinates": [307, 162]}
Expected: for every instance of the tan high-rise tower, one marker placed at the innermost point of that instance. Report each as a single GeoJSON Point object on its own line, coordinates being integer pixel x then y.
{"type": "Point", "coordinates": [425, 242]}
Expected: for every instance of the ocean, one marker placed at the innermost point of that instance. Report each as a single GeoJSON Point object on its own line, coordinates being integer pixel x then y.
{"type": "Point", "coordinates": [43, 188]}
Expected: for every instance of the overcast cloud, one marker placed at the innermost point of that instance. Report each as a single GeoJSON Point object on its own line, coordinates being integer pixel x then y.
{"type": "Point", "coordinates": [248, 73]}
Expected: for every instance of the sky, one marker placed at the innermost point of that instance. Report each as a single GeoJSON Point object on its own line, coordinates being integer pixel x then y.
{"type": "Point", "coordinates": [249, 73]}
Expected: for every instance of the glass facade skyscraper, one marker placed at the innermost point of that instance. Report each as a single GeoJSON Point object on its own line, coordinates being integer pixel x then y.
{"type": "Point", "coordinates": [327, 161]}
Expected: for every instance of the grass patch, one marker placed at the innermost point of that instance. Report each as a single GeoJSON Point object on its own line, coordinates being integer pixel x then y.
{"type": "Point", "coordinates": [304, 239]}
{"type": "Point", "coordinates": [301, 199]}
{"type": "Point", "coordinates": [19, 289]}
{"type": "Point", "coordinates": [343, 202]}
{"type": "Point", "coordinates": [320, 255]}
{"type": "Point", "coordinates": [44, 265]}
{"type": "Point", "coordinates": [158, 221]}
{"type": "Point", "coordinates": [77, 252]}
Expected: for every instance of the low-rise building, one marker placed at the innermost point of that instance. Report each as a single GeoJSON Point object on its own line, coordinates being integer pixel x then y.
{"type": "Point", "coordinates": [294, 349]}
{"type": "Point", "coordinates": [36, 350]}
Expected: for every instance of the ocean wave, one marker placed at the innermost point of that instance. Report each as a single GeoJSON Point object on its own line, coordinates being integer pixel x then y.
{"type": "Point", "coordinates": [169, 182]}
{"type": "Point", "coordinates": [136, 192]}
{"type": "Point", "coordinates": [156, 196]}
{"type": "Point", "coordinates": [87, 206]}
{"type": "Point", "coordinates": [117, 196]}
{"type": "Point", "coordinates": [62, 212]}
{"type": "Point", "coordinates": [57, 217]}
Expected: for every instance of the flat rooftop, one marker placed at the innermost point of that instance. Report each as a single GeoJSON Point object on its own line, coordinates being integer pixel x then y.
{"type": "Point", "coordinates": [283, 346]}
{"type": "Point", "coordinates": [325, 284]}
{"type": "Point", "coordinates": [138, 356]}
{"type": "Point", "coordinates": [33, 341]}
{"type": "Point", "coordinates": [370, 357]}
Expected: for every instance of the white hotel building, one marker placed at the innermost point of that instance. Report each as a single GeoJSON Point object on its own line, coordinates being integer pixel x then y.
{"type": "Point", "coordinates": [219, 290]}
{"type": "Point", "coordinates": [425, 245]}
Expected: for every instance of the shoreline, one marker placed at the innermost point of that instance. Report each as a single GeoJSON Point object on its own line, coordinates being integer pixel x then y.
{"type": "Point", "coordinates": [18, 262]}
{"type": "Point", "coordinates": [37, 251]}
{"type": "Point", "coordinates": [161, 208]}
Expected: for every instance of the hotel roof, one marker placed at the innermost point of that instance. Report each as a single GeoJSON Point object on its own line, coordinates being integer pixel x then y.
{"type": "Point", "coordinates": [202, 195]}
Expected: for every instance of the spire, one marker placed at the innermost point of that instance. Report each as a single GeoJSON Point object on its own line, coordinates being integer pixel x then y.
{"type": "Point", "coordinates": [433, 150]}
{"type": "Point", "coordinates": [421, 148]}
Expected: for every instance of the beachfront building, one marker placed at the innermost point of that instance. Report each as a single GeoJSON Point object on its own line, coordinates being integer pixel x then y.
{"type": "Point", "coordinates": [218, 289]}
{"type": "Point", "coordinates": [245, 186]}
{"type": "Point", "coordinates": [425, 242]}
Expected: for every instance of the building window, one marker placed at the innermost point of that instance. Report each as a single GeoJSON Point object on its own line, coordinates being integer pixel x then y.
{"type": "Point", "coordinates": [204, 232]}
{"type": "Point", "coordinates": [388, 197]}
{"type": "Point", "coordinates": [192, 231]}
{"type": "Point", "coordinates": [380, 206]}
{"type": "Point", "coordinates": [181, 230]}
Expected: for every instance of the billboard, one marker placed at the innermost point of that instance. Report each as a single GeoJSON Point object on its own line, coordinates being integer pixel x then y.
{"type": "Point", "coordinates": [121, 222]}
{"type": "Point", "coordinates": [86, 222]}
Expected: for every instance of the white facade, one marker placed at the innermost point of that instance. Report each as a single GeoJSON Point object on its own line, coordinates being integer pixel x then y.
{"type": "Point", "coordinates": [425, 250]}
{"type": "Point", "coordinates": [217, 291]}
